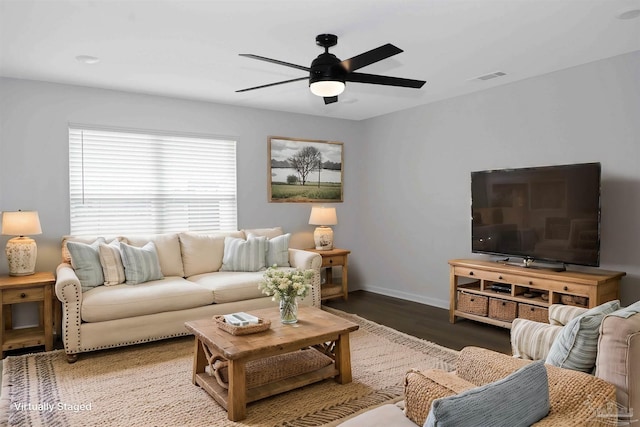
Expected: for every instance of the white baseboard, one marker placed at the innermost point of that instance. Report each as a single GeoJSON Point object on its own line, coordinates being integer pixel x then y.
{"type": "Point", "coordinates": [422, 299]}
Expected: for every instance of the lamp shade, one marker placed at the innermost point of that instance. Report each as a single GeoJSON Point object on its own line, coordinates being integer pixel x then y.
{"type": "Point", "coordinates": [327, 88]}
{"type": "Point", "coordinates": [323, 216]}
{"type": "Point", "coordinates": [21, 223]}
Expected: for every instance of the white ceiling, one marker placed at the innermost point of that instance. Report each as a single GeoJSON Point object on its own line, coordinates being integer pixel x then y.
{"type": "Point", "coordinates": [189, 49]}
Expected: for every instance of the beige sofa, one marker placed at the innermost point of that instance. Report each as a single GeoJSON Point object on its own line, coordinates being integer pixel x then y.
{"type": "Point", "coordinates": [610, 397]}
{"type": "Point", "coordinates": [193, 287]}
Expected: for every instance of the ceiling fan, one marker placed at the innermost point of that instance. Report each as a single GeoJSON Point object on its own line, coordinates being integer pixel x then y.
{"type": "Point", "coordinates": [328, 74]}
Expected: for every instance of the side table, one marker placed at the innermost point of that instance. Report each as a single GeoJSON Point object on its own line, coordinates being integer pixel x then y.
{"type": "Point", "coordinates": [334, 258]}
{"type": "Point", "coordinates": [37, 287]}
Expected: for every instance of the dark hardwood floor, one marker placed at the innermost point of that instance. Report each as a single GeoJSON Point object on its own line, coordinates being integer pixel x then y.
{"type": "Point", "coordinates": [423, 321]}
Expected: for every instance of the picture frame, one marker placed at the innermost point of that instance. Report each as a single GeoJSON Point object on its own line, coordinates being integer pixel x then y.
{"type": "Point", "coordinates": [293, 174]}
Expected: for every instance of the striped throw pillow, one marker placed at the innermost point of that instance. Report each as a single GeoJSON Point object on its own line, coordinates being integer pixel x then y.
{"type": "Point", "coordinates": [244, 255]}
{"type": "Point", "coordinates": [85, 261]}
{"type": "Point", "coordinates": [576, 347]}
{"type": "Point", "coordinates": [140, 264]}
{"type": "Point", "coordinates": [277, 250]}
{"type": "Point", "coordinates": [111, 262]}
{"type": "Point", "coordinates": [532, 340]}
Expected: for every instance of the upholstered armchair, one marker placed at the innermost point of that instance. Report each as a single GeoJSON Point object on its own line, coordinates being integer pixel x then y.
{"type": "Point", "coordinates": [574, 397]}
{"type": "Point", "coordinates": [617, 359]}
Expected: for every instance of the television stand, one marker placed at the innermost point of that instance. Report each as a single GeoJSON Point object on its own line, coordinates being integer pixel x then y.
{"type": "Point", "coordinates": [530, 290]}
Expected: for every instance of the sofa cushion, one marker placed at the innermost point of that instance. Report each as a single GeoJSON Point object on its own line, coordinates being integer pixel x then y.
{"type": "Point", "coordinates": [520, 399]}
{"type": "Point", "coordinates": [620, 336]}
{"type": "Point", "coordinates": [422, 388]}
{"type": "Point", "coordinates": [576, 346]}
{"type": "Point", "coordinates": [123, 301]}
{"type": "Point", "coordinates": [85, 260]}
{"type": "Point", "coordinates": [168, 247]}
{"type": "Point", "coordinates": [244, 255]}
{"type": "Point", "coordinates": [202, 252]}
{"type": "Point", "coordinates": [227, 286]}
{"type": "Point", "coordinates": [269, 233]}
{"type": "Point", "coordinates": [111, 261]}
{"type": "Point", "coordinates": [140, 264]}
{"type": "Point", "coordinates": [277, 250]}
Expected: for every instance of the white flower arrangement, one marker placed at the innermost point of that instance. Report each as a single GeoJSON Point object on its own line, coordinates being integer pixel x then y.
{"type": "Point", "coordinates": [281, 284]}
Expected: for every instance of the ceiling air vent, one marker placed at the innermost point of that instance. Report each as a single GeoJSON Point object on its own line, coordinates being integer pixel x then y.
{"type": "Point", "coordinates": [490, 76]}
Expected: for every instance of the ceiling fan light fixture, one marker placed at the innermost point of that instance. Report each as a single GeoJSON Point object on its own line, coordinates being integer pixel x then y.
{"type": "Point", "coordinates": [327, 88]}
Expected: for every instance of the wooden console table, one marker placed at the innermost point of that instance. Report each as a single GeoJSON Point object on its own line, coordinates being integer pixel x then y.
{"type": "Point", "coordinates": [527, 292]}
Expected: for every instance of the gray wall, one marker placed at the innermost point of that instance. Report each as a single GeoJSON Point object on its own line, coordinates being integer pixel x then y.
{"type": "Point", "coordinates": [416, 202]}
{"type": "Point", "coordinates": [406, 209]}
{"type": "Point", "coordinates": [34, 119]}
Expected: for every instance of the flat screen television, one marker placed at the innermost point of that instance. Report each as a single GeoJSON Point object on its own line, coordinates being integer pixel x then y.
{"type": "Point", "coordinates": [548, 213]}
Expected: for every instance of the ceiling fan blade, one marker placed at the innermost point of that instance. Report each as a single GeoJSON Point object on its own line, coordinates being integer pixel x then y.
{"type": "Point", "coordinates": [275, 61]}
{"type": "Point", "coordinates": [274, 84]}
{"type": "Point", "coordinates": [330, 100]}
{"type": "Point", "coordinates": [384, 80]}
{"type": "Point", "coordinates": [368, 58]}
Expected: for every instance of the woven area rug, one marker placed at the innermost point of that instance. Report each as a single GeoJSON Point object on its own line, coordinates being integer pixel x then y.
{"type": "Point", "coordinates": [150, 385]}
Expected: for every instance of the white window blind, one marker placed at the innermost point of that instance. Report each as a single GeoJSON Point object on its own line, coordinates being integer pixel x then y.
{"type": "Point", "coordinates": [129, 182]}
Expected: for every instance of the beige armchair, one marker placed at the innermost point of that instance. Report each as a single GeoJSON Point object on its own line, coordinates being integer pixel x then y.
{"type": "Point", "coordinates": [576, 398]}
{"type": "Point", "coordinates": [618, 356]}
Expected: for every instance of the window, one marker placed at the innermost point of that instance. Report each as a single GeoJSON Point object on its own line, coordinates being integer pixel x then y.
{"type": "Point", "coordinates": [130, 182]}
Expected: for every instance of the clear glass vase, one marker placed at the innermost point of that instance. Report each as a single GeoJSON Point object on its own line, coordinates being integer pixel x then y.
{"type": "Point", "coordinates": [289, 309]}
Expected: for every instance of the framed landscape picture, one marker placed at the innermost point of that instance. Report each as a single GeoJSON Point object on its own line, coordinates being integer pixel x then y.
{"type": "Point", "coordinates": [304, 170]}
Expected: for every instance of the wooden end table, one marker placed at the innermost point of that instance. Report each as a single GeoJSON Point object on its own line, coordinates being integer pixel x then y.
{"type": "Point", "coordinates": [334, 258]}
{"type": "Point", "coordinates": [315, 328]}
{"type": "Point", "coordinates": [37, 287]}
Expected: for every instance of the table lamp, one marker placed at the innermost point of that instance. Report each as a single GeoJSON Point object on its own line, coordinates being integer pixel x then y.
{"type": "Point", "coordinates": [21, 251]}
{"type": "Point", "coordinates": [323, 235]}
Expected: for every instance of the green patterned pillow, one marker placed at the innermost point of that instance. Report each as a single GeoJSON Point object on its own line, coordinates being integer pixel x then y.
{"type": "Point", "coordinates": [140, 264]}
{"type": "Point", "coordinates": [576, 346]}
{"type": "Point", "coordinates": [244, 255]}
{"type": "Point", "coordinates": [520, 399]}
{"type": "Point", "coordinates": [85, 261]}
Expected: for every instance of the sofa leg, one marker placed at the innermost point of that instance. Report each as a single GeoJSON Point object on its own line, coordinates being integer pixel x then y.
{"type": "Point", "coordinates": [72, 358]}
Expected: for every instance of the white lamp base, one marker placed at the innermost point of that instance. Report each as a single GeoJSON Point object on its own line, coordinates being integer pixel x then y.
{"type": "Point", "coordinates": [21, 256]}
{"type": "Point", "coordinates": [323, 238]}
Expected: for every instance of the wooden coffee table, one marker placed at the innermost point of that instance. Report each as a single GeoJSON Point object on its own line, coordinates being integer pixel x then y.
{"type": "Point", "coordinates": [315, 328]}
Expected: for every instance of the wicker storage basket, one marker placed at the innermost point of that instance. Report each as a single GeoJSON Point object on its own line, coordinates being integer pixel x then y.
{"type": "Point", "coordinates": [271, 369]}
{"type": "Point", "coordinates": [472, 303]}
{"type": "Point", "coordinates": [504, 310]}
{"type": "Point", "coordinates": [533, 312]}
{"type": "Point", "coordinates": [262, 325]}
{"type": "Point", "coordinates": [575, 300]}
